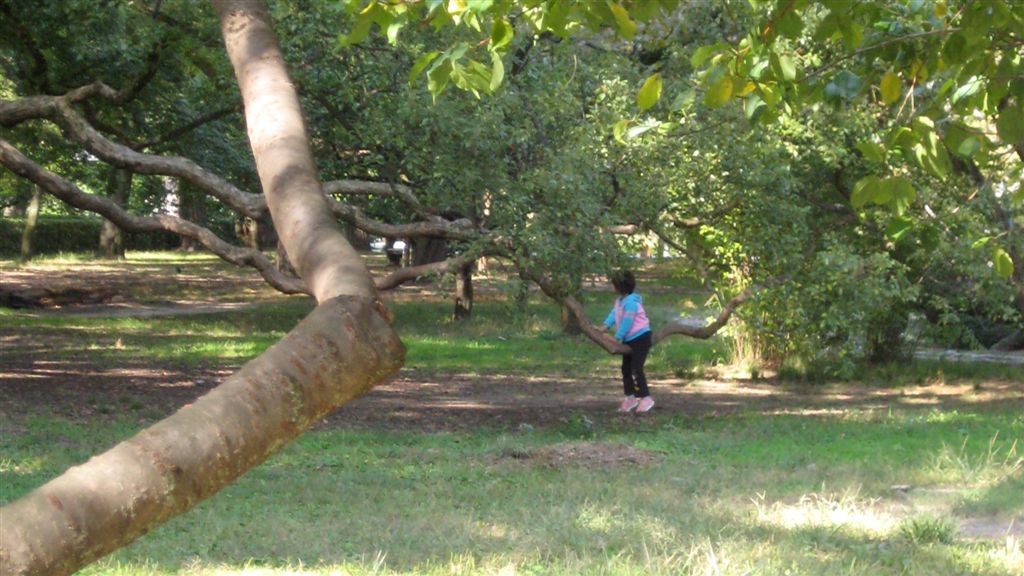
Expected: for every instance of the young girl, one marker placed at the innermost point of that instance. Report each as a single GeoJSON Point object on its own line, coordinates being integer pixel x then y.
{"type": "Point", "coordinates": [633, 329]}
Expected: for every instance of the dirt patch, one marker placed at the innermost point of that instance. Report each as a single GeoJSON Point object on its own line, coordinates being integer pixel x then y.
{"type": "Point", "coordinates": [991, 528]}
{"type": "Point", "coordinates": [584, 454]}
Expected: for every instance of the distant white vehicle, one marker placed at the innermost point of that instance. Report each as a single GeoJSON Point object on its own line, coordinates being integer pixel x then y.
{"type": "Point", "coordinates": [378, 244]}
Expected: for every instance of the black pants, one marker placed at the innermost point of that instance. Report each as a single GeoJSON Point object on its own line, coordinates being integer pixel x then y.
{"type": "Point", "coordinates": [634, 381]}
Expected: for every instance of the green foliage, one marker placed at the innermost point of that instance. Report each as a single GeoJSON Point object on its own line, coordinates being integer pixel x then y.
{"type": "Point", "coordinates": [844, 309]}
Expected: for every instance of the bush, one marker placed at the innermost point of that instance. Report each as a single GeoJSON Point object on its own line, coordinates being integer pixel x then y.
{"type": "Point", "coordinates": [55, 234]}
{"type": "Point", "coordinates": [846, 309]}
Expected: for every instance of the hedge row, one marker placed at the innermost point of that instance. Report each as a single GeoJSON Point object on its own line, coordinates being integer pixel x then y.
{"type": "Point", "coordinates": [54, 234]}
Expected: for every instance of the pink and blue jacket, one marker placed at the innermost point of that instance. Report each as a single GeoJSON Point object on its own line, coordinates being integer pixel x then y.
{"type": "Point", "coordinates": [629, 318]}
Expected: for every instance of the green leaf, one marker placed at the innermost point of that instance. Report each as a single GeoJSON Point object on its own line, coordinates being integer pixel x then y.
{"type": "Point", "coordinates": [556, 16]}
{"type": "Point", "coordinates": [967, 90]}
{"type": "Point", "coordinates": [1011, 124]}
{"type": "Point", "coordinates": [853, 33]}
{"type": "Point", "coordinates": [684, 99]}
{"type": "Point", "coordinates": [497, 72]}
{"type": "Point", "coordinates": [650, 92]}
{"type": "Point", "coordinates": [981, 242]}
{"type": "Point", "coordinates": [864, 191]}
{"type": "Point", "coordinates": [439, 76]}
{"type": "Point", "coordinates": [791, 25]}
{"type": "Point", "coordinates": [787, 67]}
{"type": "Point", "coordinates": [872, 151]}
{"type": "Point", "coordinates": [770, 94]}
{"type": "Point", "coordinates": [640, 129]}
{"type": "Point", "coordinates": [1002, 263]}
{"type": "Point", "coordinates": [897, 191]}
{"type": "Point", "coordinates": [954, 50]}
{"type": "Point", "coordinates": [701, 55]}
{"type": "Point", "coordinates": [938, 162]}
{"type": "Point", "coordinates": [619, 130]}
{"type": "Point", "coordinates": [969, 147]}
{"type": "Point", "coordinates": [623, 24]}
{"type": "Point", "coordinates": [891, 87]}
{"type": "Point", "coordinates": [898, 227]}
{"type": "Point", "coordinates": [719, 92]}
{"type": "Point", "coordinates": [753, 107]}
{"type": "Point", "coordinates": [421, 64]}
{"type": "Point", "coordinates": [501, 34]}
{"type": "Point", "coordinates": [359, 32]}
{"type": "Point", "coordinates": [644, 10]}
{"type": "Point", "coordinates": [757, 71]}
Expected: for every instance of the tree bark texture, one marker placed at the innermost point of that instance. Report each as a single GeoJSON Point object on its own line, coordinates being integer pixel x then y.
{"type": "Point", "coordinates": [119, 184]}
{"type": "Point", "coordinates": [344, 347]}
{"type": "Point", "coordinates": [31, 218]}
{"type": "Point", "coordinates": [427, 250]}
{"type": "Point", "coordinates": [464, 292]}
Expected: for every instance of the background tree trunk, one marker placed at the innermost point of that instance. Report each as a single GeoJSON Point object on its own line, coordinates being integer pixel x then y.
{"type": "Point", "coordinates": [357, 238]}
{"type": "Point", "coordinates": [570, 322]}
{"type": "Point", "coordinates": [31, 218]}
{"type": "Point", "coordinates": [428, 250]}
{"type": "Point", "coordinates": [191, 207]}
{"type": "Point", "coordinates": [119, 185]}
{"type": "Point", "coordinates": [464, 292]}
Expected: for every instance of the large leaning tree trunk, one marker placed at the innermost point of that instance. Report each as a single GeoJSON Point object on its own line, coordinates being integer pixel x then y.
{"type": "Point", "coordinates": [340, 350]}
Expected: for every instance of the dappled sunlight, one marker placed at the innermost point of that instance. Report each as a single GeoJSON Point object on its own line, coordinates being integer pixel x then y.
{"type": "Point", "coordinates": [23, 467]}
{"type": "Point", "coordinates": [845, 509]}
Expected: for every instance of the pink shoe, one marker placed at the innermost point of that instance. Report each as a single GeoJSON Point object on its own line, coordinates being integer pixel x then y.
{"type": "Point", "coordinates": [644, 405]}
{"type": "Point", "coordinates": [628, 404]}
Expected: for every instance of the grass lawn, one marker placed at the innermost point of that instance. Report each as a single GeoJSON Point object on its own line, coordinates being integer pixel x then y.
{"type": "Point", "coordinates": [749, 494]}
{"type": "Point", "coordinates": [854, 489]}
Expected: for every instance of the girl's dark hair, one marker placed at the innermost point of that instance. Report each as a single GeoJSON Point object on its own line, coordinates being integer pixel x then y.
{"type": "Point", "coordinates": [624, 282]}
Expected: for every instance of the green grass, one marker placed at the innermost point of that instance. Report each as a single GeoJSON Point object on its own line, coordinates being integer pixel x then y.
{"type": "Point", "coordinates": [495, 340]}
{"type": "Point", "coordinates": [750, 494]}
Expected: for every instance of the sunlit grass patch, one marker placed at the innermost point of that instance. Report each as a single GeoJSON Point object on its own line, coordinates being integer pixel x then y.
{"type": "Point", "coordinates": [846, 509]}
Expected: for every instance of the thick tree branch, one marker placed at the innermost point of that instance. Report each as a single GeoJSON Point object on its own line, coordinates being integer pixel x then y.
{"type": "Point", "coordinates": [13, 112]}
{"type": "Point", "coordinates": [461, 229]}
{"type": "Point", "coordinates": [60, 110]}
{"type": "Point", "coordinates": [596, 334]}
{"type": "Point", "coordinates": [704, 332]}
{"type": "Point", "coordinates": [410, 273]}
{"type": "Point", "coordinates": [245, 203]}
{"type": "Point", "coordinates": [696, 221]}
{"type": "Point", "coordinates": [70, 194]}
